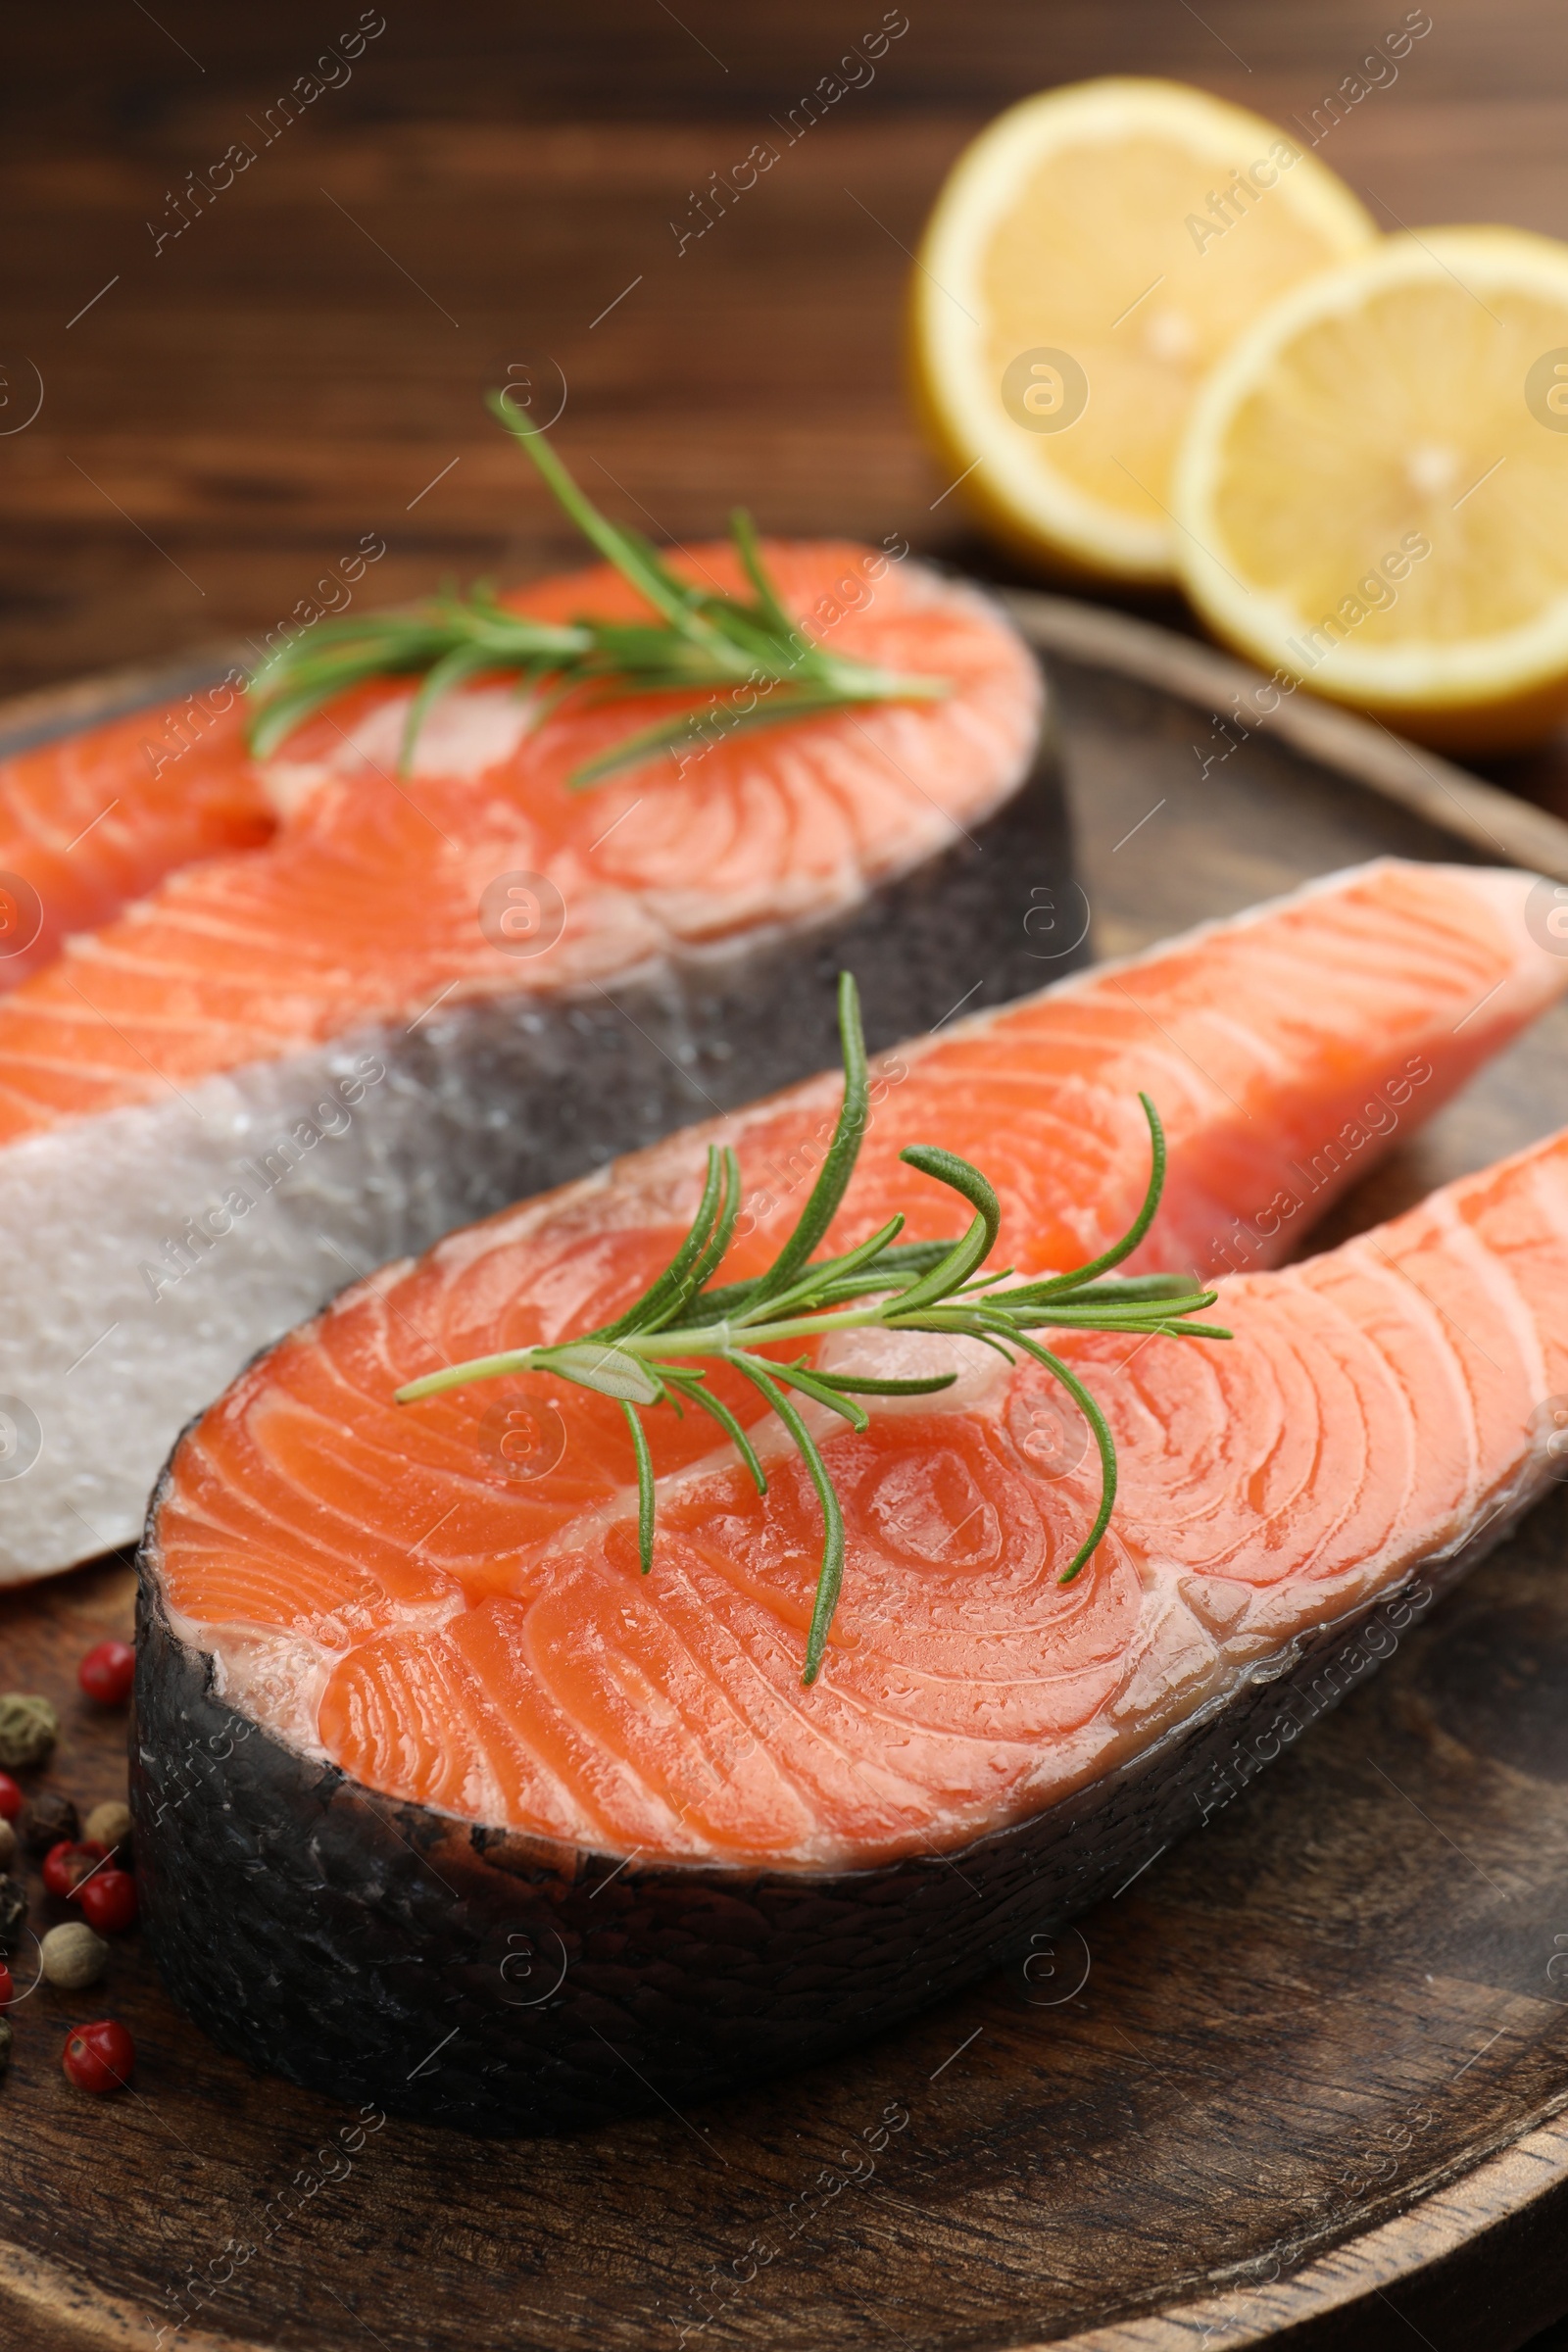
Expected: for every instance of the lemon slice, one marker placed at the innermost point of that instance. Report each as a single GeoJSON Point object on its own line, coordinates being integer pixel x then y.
{"type": "Point", "coordinates": [1087, 258]}
{"type": "Point", "coordinates": [1373, 486]}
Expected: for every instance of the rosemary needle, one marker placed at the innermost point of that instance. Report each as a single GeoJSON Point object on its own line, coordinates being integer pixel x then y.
{"type": "Point", "coordinates": [756, 665]}
{"type": "Point", "coordinates": [652, 1354]}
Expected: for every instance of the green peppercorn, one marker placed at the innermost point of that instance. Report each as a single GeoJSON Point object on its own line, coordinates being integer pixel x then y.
{"type": "Point", "coordinates": [28, 1730]}
{"type": "Point", "coordinates": [8, 1843]}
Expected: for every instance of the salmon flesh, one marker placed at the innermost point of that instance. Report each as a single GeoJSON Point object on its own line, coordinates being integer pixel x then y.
{"type": "Point", "coordinates": [424, 1760]}
{"type": "Point", "coordinates": [276, 1023]}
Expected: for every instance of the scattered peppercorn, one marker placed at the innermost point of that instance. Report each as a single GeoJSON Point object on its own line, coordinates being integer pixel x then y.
{"type": "Point", "coordinates": [107, 1672]}
{"type": "Point", "coordinates": [8, 1843]}
{"type": "Point", "coordinates": [6, 2037]}
{"type": "Point", "coordinates": [11, 1797]}
{"type": "Point", "coordinates": [66, 1865]}
{"type": "Point", "coordinates": [72, 1956]}
{"type": "Point", "coordinates": [48, 1820]}
{"type": "Point", "coordinates": [110, 1824]}
{"type": "Point", "coordinates": [108, 1900]}
{"type": "Point", "coordinates": [99, 2057]}
{"type": "Point", "coordinates": [13, 1910]}
{"type": "Point", "coordinates": [28, 1730]}
{"type": "Point", "coordinates": [7, 1990]}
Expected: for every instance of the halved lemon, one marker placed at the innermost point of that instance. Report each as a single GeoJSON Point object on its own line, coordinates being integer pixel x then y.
{"type": "Point", "coordinates": [1373, 486]}
{"type": "Point", "coordinates": [1087, 258]}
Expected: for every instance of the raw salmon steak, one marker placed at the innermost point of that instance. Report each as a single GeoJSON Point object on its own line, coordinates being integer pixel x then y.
{"type": "Point", "coordinates": [460, 1725]}
{"type": "Point", "coordinates": [94, 819]}
{"type": "Point", "coordinates": [384, 1005]}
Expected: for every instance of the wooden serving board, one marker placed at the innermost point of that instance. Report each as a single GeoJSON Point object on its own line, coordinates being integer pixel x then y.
{"type": "Point", "coordinates": [1305, 2080]}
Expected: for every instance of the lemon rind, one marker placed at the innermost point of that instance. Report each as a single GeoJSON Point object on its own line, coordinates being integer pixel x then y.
{"type": "Point", "coordinates": [1030, 504]}
{"type": "Point", "coordinates": [1442, 677]}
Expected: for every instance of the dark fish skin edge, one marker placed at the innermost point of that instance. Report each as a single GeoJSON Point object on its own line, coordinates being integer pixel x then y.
{"type": "Point", "coordinates": [579, 1079]}
{"type": "Point", "coordinates": [994, 917]}
{"type": "Point", "coordinates": [508, 1986]}
{"type": "Point", "coordinates": [542, 1077]}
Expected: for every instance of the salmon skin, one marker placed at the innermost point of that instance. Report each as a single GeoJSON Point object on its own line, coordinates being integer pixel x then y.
{"type": "Point", "coordinates": [423, 1765]}
{"type": "Point", "coordinates": [423, 996]}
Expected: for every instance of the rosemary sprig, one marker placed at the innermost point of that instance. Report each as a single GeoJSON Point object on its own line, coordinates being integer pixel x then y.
{"type": "Point", "coordinates": [883, 1284]}
{"type": "Point", "coordinates": [758, 666]}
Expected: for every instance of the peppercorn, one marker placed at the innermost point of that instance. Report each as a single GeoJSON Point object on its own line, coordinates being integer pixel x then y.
{"type": "Point", "coordinates": [98, 2057]}
{"type": "Point", "coordinates": [50, 1820]}
{"type": "Point", "coordinates": [72, 1956]}
{"type": "Point", "coordinates": [13, 1910]}
{"type": "Point", "coordinates": [7, 2034]}
{"type": "Point", "coordinates": [66, 1865]}
{"type": "Point", "coordinates": [7, 1990]}
{"type": "Point", "coordinates": [11, 1797]}
{"type": "Point", "coordinates": [8, 1843]}
{"type": "Point", "coordinates": [110, 1824]}
{"type": "Point", "coordinates": [107, 1672]}
{"type": "Point", "coordinates": [28, 1730]}
{"type": "Point", "coordinates": [108, 1900]}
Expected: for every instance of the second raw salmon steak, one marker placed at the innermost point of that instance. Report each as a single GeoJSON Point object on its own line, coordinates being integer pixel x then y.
{"type": "Point", "coordinates": [402, 1681]}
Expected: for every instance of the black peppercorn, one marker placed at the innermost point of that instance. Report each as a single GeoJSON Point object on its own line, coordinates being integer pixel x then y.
{"type": "Point", "coordinates": [48, 1819]}
{"type": "Point", "coordinates": [13, 1910]}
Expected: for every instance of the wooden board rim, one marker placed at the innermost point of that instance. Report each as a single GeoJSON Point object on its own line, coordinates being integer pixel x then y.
{"type": "Point", "coordinates": [1455, 2222]}
{"type": "Point", "coordinates": [1448, 2227]}
{"type": "Point", "coordinates": [1363, 748]}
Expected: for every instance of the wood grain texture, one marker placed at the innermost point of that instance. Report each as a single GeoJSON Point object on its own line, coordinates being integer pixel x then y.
{"type": "Point", "coordinates": [1263, 2009]}
{"type": "Point", "coordinates": [308, 357]}
{"type": "Point", "coordinates": [1309, 2069]}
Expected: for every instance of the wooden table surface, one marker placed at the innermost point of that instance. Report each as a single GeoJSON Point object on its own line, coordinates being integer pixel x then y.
{"type": "Point", "coordinates": [192, 432]}
{"type": "Point", "coordinates": [303, 362]}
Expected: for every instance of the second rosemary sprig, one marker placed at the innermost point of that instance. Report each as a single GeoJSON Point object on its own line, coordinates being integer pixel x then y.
{"type": "Point", "coordinates": [657, 1351]}
{"type": "Point", "coordinates": [697, 641]}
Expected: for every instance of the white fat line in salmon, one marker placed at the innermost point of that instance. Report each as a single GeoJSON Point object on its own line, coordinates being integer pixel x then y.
{"type": "Point", "coordinates": [854, 71]}
{"type": "Point", "coordinates": [1330, 1163]}
{"type": "Point", "coordinates": [725, 1749]}
{"type": "Point", "coordinates": [328, 1120]}
{"type": "Point", "coordinates": [284, 112]}
{"type": "Point", "coordinates": [713, 723]}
